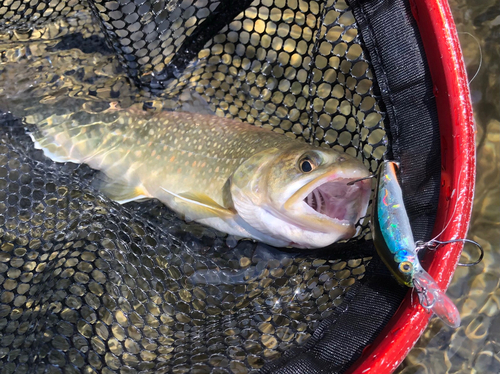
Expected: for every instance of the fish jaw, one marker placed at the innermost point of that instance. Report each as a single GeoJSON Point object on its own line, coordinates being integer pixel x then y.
{"type": "Point", "coordinates": [330, 202]}
{"type": "Point", "coordinates": [329, 206]}
{"type": "Point", "coordinates": [297, 222]}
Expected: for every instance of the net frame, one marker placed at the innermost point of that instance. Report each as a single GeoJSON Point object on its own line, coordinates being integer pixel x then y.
{"type": "Point", "coordinates": [458, 168]}
{"type": "Point", "coordinates": [434, 17]}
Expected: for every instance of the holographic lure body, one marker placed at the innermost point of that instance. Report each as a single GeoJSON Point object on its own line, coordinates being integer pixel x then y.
{"type": "Point", "coordinates": [394, 242]}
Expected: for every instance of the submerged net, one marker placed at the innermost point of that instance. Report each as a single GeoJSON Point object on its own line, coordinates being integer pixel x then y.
{"type": "Point", "coordinates": [88, 285]}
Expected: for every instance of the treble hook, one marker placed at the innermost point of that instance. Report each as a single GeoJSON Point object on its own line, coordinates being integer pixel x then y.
{"type": "Point", "coordinates": [433, 244]}
{"type": "Point", "coordinates": [423, 297]}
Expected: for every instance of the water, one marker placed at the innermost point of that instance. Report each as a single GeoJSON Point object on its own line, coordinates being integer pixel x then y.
{"type": "Point", "coordinates": [475, 346]}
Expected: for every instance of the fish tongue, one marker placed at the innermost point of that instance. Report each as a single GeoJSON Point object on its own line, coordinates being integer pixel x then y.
{"type": "Point", "coordinates": [336, 204]}
{"type": "Point", "coordinates": [333, 199]}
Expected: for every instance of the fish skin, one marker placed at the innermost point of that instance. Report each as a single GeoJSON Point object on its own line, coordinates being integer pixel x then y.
{"type": "Point", "coordinates": [196, 164]}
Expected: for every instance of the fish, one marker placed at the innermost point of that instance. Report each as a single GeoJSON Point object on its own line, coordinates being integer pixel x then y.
{"type": "Point", "coordinates": [394, 242]}
{"type": "Point", "coordinates": [240, 179]}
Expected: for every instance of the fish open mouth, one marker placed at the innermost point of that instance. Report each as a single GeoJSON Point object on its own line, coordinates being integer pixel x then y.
{"type": "Point", "coordinates": [339, 201]}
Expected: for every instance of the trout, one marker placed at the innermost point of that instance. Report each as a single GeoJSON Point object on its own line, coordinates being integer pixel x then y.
{"type": "Point", "coordinates": [237, 178]}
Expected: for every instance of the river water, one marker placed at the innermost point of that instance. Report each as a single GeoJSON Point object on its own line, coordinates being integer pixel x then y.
{"type": "Point", "coordinates": [475, 346]}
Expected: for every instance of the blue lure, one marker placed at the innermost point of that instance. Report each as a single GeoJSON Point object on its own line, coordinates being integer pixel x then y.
{"type": "Point", "coordinates": [394, 243]}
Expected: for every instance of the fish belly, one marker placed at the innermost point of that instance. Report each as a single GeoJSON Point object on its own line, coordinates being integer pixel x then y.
{"type": "Point", "coordinates": [166, 155]}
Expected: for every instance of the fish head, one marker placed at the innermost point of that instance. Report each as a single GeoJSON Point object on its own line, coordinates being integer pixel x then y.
{"type": "Point", "coordinates": [300, 194]}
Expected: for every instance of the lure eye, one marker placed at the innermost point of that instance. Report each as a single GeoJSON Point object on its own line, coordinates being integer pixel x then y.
{"type": "Point", "coordinates": [406, 267]}
{"type": "Point", "coordinates": [306, 165]}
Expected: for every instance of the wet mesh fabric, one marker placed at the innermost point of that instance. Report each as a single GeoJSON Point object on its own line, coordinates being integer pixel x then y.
{"type": "Point", "coordinates": [403, 80]}
{"type": "Point", "coordinates": [91, 286]}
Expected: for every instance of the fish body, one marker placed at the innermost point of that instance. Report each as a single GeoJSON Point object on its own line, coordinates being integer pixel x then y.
{"type": "Point", "coordinates": [235, 177]}
{"type": "Point", "coordinates": [394, 243]}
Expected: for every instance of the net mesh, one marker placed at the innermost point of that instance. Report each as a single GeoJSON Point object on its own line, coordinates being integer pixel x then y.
{"type": "Point", "coordinates": [297, 67]}
{"type": "Point", "coordinates": [88, 285]}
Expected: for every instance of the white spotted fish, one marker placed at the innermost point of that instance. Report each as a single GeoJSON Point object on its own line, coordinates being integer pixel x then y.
{"type": "Point", "coordinates": [232, 176]}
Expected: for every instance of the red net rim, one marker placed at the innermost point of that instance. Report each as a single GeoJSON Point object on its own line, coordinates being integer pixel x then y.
{"type": "Point", "coordinates": [458, 160]}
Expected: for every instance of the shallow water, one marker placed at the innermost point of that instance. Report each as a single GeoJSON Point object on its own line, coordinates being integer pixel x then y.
{"type": "Point", "coordinates": [42, 75]}
{"type": "Point", "coordinates": [475, 346]}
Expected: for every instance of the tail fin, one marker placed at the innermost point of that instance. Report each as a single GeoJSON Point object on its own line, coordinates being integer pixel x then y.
{"type": "Point", "coordinates": [80, 137]}
{"type": "Point", "coordinates": [54, 138]}
{"type": "Point", "coordinates": [433, 298]}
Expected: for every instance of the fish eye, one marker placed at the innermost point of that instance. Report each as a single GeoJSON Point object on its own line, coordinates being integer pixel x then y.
{"type": "Point", "coordinates": [306, 165]}
{"type": "Point", "coordinates": [406, 267]}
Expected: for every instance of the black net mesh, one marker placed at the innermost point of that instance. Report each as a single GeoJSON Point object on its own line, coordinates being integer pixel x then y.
{"type": "Point", "coordinates": [88, 285]}
{"type": "Point", "coordinates": [295, 66]}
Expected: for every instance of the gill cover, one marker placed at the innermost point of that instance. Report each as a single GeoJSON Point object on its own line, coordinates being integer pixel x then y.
{"type": "Point", "coordinates": [300, 194]}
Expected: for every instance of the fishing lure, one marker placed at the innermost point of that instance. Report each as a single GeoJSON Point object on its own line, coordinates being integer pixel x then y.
{"type": "Point", "coordinates": [394, 243]}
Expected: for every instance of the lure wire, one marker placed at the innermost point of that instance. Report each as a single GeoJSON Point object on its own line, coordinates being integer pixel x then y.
{"type": "Point", "coordinates": [454, 208]}
{"type": "Point", "coordinates": [480, 54]}
{"type": "Point", "coordinates": [361, 179]}
{"type": "Point", "coordinates": [433, 244]}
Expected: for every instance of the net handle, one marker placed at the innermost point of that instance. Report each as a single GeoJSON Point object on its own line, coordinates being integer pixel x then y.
{"type": "Point", "coordinates": [456, 125]}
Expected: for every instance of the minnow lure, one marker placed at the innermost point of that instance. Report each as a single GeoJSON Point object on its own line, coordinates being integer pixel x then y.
{"type": "Point", "coordinates": [394, 243]}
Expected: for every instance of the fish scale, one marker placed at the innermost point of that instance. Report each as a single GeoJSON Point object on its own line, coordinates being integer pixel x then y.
{"type": "Point", "coordinates": [165, 136]}
{"type": "Point", "coordinates": [224, 173]}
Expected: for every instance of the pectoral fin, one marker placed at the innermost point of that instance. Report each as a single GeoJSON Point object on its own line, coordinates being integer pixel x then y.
{"type": "Point", "coordinates": [202, 204]}
{"type": "Point", "coordinates": [122, 192]}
